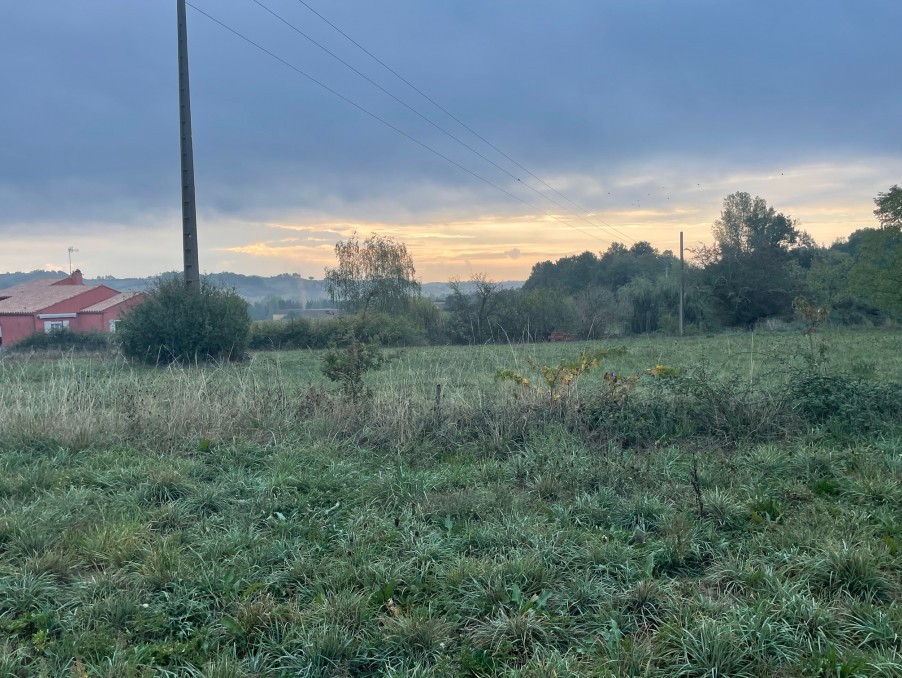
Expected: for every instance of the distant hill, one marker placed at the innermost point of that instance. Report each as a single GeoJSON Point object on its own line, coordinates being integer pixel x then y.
{"type": "Point", "coordinates": [251, 287]}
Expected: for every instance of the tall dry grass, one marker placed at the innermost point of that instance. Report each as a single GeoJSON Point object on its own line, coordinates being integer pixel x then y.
{"type": "Point", "coordinates": [99, 401]}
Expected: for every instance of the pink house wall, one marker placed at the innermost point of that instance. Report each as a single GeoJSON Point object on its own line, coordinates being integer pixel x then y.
{"type": "Point", "coordinates": [14, 328]}
{"type": "Point", "coordinates": [100, 321]}
{"type": "Point", "coordinates": [88, 322]}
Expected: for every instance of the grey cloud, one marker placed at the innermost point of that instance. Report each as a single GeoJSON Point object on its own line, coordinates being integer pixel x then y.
{"type": "Point", "coordinates": [582, 88]}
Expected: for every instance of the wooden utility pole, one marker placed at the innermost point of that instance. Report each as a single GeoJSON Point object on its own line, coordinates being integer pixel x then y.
{"type": "Point", "coordinates": [189, 211]}
{"type": "Point", "coordinates": [682, 283]}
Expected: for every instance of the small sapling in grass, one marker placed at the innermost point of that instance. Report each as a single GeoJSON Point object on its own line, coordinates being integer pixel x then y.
{"type": "Point", "coordinates": [348, 366]}
{"type": "Point", "coordinates": [697, 487]}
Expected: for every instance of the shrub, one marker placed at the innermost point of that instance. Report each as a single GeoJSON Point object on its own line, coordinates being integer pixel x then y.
{"type": "Point", "coordinates": [65, 340]}
{"type": "Point", "coordinates": [348, 366]}
{"type": "Point", "coordinates": [847, 403]}
{"type": "Point", "coordinates": [386, 329]}
{"type": "Point", "coordinates": [849, 311]}
{"type": "Point", "coordinates": [430, 319]}
{"type": "Point", "coordinates": [175, 324]}
{"type": "Point", "coordinates": [298, 333]}
{"type": "Point", "coordinates": [383, 328]}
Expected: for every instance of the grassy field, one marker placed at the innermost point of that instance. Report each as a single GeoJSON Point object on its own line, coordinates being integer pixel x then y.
{"type": "Point", "coordinates": [741, 519]}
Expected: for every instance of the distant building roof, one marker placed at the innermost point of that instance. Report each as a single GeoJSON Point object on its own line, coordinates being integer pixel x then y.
{"type": "Point", "coordinates": [109, 303]}
{"type": "Point", "coordinates": [35, 295]}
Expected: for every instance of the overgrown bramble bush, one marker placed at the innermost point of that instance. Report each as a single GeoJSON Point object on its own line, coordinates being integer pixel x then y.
{"type": "Point", "coordinates": [847, 404]}
{"type": "Point", "coordinates": [176, 324]}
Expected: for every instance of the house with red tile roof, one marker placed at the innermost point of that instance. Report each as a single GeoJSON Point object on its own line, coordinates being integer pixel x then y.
{"type": "Point", "coordinates": [50, 304]}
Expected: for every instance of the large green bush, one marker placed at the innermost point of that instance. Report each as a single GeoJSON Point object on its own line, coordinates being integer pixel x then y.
{"type": "Point", "coordinates": [175, 324]}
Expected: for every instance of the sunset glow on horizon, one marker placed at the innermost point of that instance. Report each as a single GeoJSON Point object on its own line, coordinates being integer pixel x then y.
{"type": "Point", "coordinates": [506, 248]}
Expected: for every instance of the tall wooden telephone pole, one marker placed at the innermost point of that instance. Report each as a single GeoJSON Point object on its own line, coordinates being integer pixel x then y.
{"type": "Point", "coordinates": [189, 211]}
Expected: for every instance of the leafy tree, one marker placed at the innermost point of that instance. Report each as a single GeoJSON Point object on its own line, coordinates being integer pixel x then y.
{"type": "Point", "coordinates": [749, 272]}
{"type": "Point", "coordinates": [175, 324]}
{"type": "Point", "coordinates": [376, 275]}
{"type": "Point", "coordinates": [861, 276]}
{"type": "Point", "coordinates": [622, 288]}
{"type": "Point", "coordinates": [619, 266]}
{"type": "Point", "coordinates": [646, 302]}
{"type": "Point", "coordinates": [568, 274]}
{"type": "Point", "coordinates": [613, 269]}
{"type": "Point", "coordinates": [470, 313]}
{"type": "Point", "coordinates": [828, 276]}
{"type": "Point", "coordinates": [889, 208]}
{"type": "Point", "coordinates": [747, 225]}
{"type": "Point", "coordinates": [424, 314]}
{"type": "Point", "coordinates": [490, 313]}
{"type": "Point", "coordinates": [531, 315]}
{"type": "Point", "coordinates": [876, 275]}
{"type": "Point", "coordinates": [598, 312]}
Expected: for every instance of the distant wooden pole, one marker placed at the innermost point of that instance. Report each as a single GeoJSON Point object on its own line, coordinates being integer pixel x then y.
{"type": "Point", "coordinates": [189, 211]}
{"type": "Point", "coordinates": [682, 283]}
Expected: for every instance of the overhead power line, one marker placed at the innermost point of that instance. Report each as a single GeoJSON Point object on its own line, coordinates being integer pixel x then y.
{"type": "Point", "coordinates": [435, 124]}
{"type": "Point", "coordinates": [453, 117]}
{"type": "Point", "coordinates": [386, 122]}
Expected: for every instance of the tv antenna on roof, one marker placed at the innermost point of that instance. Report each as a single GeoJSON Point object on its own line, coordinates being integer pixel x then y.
{"type": "Point", "coordinates": [71, 250]}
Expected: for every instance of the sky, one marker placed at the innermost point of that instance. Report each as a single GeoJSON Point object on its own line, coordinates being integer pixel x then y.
{"type": "Point", "coordinates": [592, 121]}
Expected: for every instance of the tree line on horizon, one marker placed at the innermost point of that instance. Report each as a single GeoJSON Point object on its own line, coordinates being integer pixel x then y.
{"type": "Point", "coordinates": [761, 267]}
{"type": "Point", "coordinates": [759, 264]}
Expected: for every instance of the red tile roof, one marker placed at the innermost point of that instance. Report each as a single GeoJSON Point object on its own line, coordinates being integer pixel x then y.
{"type": "Point", "coordinates": [36, 295]}
{"type": "Point", "coordinates": [109, 303]}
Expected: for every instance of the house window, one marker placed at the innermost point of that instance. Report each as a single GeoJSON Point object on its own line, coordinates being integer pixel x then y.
{"type": "Point", "coordinates": [55, 325]}
{"type": "Point", "coordinates": [114, 325]}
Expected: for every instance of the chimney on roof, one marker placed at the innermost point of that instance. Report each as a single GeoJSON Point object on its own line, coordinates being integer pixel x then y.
{"type": "Point", "coordinates": [76, 277]}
